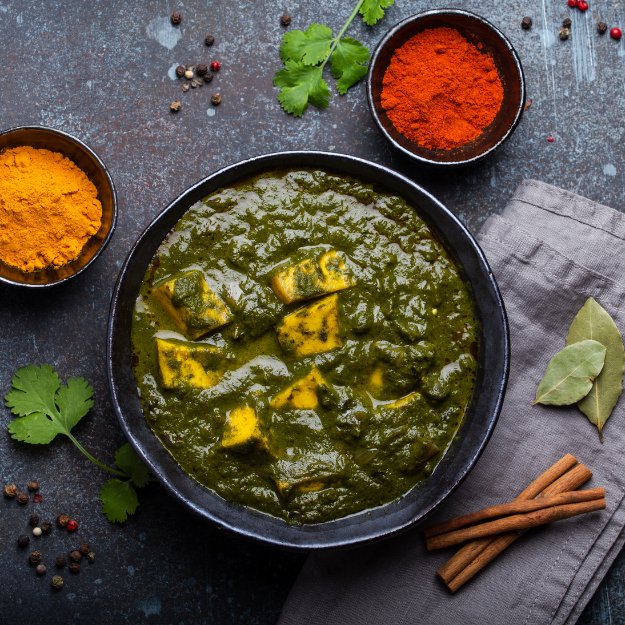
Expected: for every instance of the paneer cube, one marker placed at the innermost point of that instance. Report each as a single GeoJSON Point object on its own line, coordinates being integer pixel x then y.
{"type": "Point", "coordinates": [192, 304]}
{"type": "Point", "coordinates": [313, 329]}
{"type": "Point", "coordinates": [309, 279]}
{"type": "Point", "coordinates": [242, 431]}
{"type": "Point", "coordinates": [307, 473]}
{"type": "Point", "coordinates": [302, 394]}
{"type": "Point", "coordinates": [187, 365]}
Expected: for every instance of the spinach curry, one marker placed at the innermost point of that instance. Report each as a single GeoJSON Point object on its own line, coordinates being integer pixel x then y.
{"type": "Point", "coordinates": [303, 345]}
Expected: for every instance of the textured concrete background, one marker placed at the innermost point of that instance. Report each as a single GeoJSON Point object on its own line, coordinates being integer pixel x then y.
{"type": "Point", "coordinates": [101, 71]}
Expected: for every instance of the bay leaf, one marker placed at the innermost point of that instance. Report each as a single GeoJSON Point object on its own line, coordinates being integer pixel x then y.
{"type": "Point", "coordinates": [593, 322]}
{"type": "Point", "coordinates": [570, 374]}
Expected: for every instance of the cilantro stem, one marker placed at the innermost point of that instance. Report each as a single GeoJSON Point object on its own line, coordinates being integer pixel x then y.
{"type": "Point", "coordinates": [96, 462]}
{"type": "Point", "coordinates": [336, 40]}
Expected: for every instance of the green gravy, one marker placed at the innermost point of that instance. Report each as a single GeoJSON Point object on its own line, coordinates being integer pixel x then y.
{"type": "Point", "coordinates": [303, 346]}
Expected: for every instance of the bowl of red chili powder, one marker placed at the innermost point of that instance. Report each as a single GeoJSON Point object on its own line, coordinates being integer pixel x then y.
{"type": "Point", "coordinates": [446, 87]}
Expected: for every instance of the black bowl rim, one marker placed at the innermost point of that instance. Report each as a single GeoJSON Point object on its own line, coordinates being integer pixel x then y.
{"type": "Point", "coordinates": [426, 161]}
{"type": "Point", "coordinates": [107, 175]}
{"type": "Point", "coordinates": [207, 515]}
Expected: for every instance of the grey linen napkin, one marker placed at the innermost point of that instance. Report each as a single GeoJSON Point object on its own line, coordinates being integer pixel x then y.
{"type": "Point", "coordinates": [550, 251]}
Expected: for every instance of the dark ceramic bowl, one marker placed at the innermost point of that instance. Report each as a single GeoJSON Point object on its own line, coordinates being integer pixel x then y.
{"type": "Point", "coordinates": [472, 437]}
{"type": "Point", "coordinates": [85, 158]}
{"type": "Point", "coordinates": [477, 30]}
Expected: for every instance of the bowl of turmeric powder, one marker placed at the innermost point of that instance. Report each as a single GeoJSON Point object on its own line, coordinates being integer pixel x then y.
{"type": "Point", "coordinates": [446, 88]}
{"type": "Point", "coordinates": [58, 206]}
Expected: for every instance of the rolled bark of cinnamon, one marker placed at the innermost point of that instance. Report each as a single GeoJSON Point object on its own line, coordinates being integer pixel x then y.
{"type": "Point", "coordinates": [514, 507]}
{"type": "Point", "coordinates": [473, 549]}
{"type": "Point", "coordinates": [515, 522]}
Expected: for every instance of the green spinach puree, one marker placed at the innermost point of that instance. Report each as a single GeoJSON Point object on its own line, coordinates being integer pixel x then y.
{"type": "Point", "coordinates": [303, 345]}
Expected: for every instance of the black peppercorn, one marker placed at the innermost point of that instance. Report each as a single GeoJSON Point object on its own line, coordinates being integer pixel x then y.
{"type": "Point", "coordinates": [46, 527]}
{"type": "Point", "coordinates": [62, 520]}
{"type": "Point", "coordinates": [41, 569]}
{"type": "Point", "coordinates": [210, 40]}
{"type": "Point", "coordinates": [526, 23]}
{"type": "Point", "coordinates": [22, 498]}
{"type": "Point", "coordinates": [91, 557]}
{"type": "Point", "coordinates": [208, 77]}
{"type": "Point", "coordinates": [180, 71]}
{"type": "Point", "coordinates": [602, 28]}
{"type": "Point", "coordinates": [201, 69]}
{"type": "Point", "coordinates": [74, 567]}
{"type": "Point", "coordinates": [34, 519]}
{"type": "Point", "coordinates": [57, 582]}
{"type": "Point", "coordinates": [61, 561]}
{"type": "Point", "coordinates": [35, 557]}
{"type": "Point", "coordinates": [84, 549]}
{"type": "Point", "coordinates": [285, 20]}
{"type": "Point", "coordinates": [32, 485]}
{"type": "Point", "coordinates": [23, 540]}
{"type": "Point", "coordinates": [75, 555]}
{"type": "Point", "coordinates": [216, 99]}
{"type": "Point", "coordinates": [567, 23]}
{"type": "Point", "coordinates": [176, 18]}
{"type": "Point", "coordinates": [10, 491]}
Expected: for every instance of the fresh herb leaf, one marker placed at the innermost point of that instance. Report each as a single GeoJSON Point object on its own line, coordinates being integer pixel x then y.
{"type": "Point", "coordinates": [129, 462]}
{"type": "Point", "coordinates": [310, 48]}
{"type": "Point", "coordinates": [34, 389]}
{"type": "Point", "coordinates": [570, 374]}
{"type": "Point", "coordinates": [372, 11]}
{"type": "Point", "coordinates": [301, 84]}
{"type": "Point", "coordinates": [594, 322]}
{"type": "Point", "coordinates": [74, 402]}
{"type": "Point", "coordinates": [35, 429]}
{"type": "Point", "coordinates": [119, 499]}
{"type": "Point", "coordinates": [346, 60]}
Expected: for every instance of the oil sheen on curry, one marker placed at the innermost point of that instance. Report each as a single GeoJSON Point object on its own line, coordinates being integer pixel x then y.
{"type": "Point", "coordinates": [303, 346]}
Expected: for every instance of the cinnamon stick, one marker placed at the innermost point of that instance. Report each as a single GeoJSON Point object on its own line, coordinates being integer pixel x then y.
{"type": "Point", "coordinates": [471, 550]}
{"type": "Point", "coordinates": [514, 507]}
{"type": "Point", "coordinates": [515, 522]}
{"type": "Point", "coordinates": [571, 480]}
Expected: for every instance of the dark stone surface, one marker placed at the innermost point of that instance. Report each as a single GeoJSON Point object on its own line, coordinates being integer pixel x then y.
{"type": "Point", "coordinates": [99, 70]}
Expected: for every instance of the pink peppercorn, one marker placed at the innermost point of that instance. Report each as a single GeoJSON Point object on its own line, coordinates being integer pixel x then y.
{"type": "Point", "coordinates": [72, 526]}
{"type": "Point", "coordinates": [582, 5]}
{"type": "Point", "coordinates": [573, 3]}
{"type": "Point", "coordinates": [551, 139]}
{"type": "Point", "coordinates": [616, 33]}
{"type": "Point", "coordinates": [37, 498]}
{"type": "Point", "coordinates": [215, 66]}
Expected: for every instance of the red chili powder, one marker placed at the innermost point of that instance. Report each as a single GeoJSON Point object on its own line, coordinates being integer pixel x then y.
{"type": "Point", "coordinates": [440, 91]}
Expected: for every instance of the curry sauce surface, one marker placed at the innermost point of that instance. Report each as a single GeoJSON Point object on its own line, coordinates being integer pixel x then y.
{"type": "Point", "coordinates": [303, 345]}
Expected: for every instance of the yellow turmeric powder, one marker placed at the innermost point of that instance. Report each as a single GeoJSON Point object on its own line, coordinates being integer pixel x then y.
{"type": "Point", "coordinates": [48, 209]}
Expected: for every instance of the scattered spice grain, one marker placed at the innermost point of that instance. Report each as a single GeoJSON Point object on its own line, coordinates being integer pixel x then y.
{"type": "Point", "coordinates": [84, 549]}
{"type": "Point", "coordinates": [567, 23]}
{"type": "Point", "coordinates": [201, 69]}
{"type": "Point", "coordinates": [41, 569]}
{"type": "Point", "coordinates": [23, 540]}
{"type": "Point", "coordinates": [616, 33]}
{"type": "Point", "coordinates": [573, 3]}
{"type": "Point", "coordinates": [188, 74]}
{"type": "Point", "coordinates": [196, 83]}
{"type": "Point", "coordinates": [32, 485]}
{"type": "Point", "coordinates": [57, 582]}
{"type": "Point", "coordinates": [10, 491]}
{"type": "Point", "coordinates": [175, 107]}
{"type": "Point", "coordinates": [72, 526]}
{"type": "Point", "coordinates": [37, 498]}
{"type": "Point", "coordinates": [215, 66]}
{"type": "Point", "coordinates": [526, 23]}
{"type": "Point", "coordinates": [176, 18]}
{"type": "Point", "coordinates": [285, 20]}
{"type": "Point", "coordinates": [36, 531]}
{"type": "Point", "coordinates": [185, 87]}
{"type": "Point", "coordinates": [22, 498]}
{"type": "Point", "coordinates": [34, 519]}
{"type": "Point", "coordinates": [602, 28]}
{"type": "Point", "coordinates": [61, 561]}
{"type": "Point", "coordinates": [216, 99]}
{"type": "Point", "coordinates": [210, 40]}
{"type": "Point", "coordinates": [35, 557]}
{"type": "Point", "coordinates": [551, 138]}
{"type": "Point", "coordinates": [208, 77]}
{"type": "Point", "coordinates": [582, 5]}
{"type": "Point", "coordinates": [74, 567]}
{"type": "Point", "coordinates": [180, 71]}
{"type": "Point", "coordinates": [46, 527]}
{"type": "Point", "coordinates": [75, 555]}
{"type": "Point", "coordinates": [564, 34]}
{"type": "Point", "coordinates": [62, 520]}
{"type": "Point", "coordinates": [91, 557]}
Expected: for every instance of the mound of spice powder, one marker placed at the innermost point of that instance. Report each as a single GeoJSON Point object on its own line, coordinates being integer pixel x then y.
{"type": "Point", "coordinates": [48, 209]}
{"type": "Point", "coordinates": [440, 90]}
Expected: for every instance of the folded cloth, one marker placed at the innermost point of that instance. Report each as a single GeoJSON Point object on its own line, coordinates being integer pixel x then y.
{"type": "Point", "coordinates": [550, 251]}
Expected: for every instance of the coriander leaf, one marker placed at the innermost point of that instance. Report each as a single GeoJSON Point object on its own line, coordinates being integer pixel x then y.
{"type": "Point", "coordinates": [300, 84]}
{"type": "Point", "coordinates": [119, 499]}
{"type": "Point", "coordinates": [372, 10]}
{"type": "Point", "coordinates": [33, 390]}
{"type": "Point", "coordinates": [346, 60]}
{"type": "Point", "coordinates": [74, 402]}
{"type": "Point", "coordinates": [35, 428]}
{"type": "Point", "coordinates": [310, 48]}
{"type": "Point", "coordinates": [570, 374]}
{"type": "Point", "coordinates": [129, 462]}
{"type": "Point", "coordinates": [594, 322]}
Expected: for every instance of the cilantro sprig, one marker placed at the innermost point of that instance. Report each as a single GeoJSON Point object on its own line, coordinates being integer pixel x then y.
{"type": "Point", "coordinates": [46, 408]}
{"type": "Point", "coordinates": [306, 53]}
